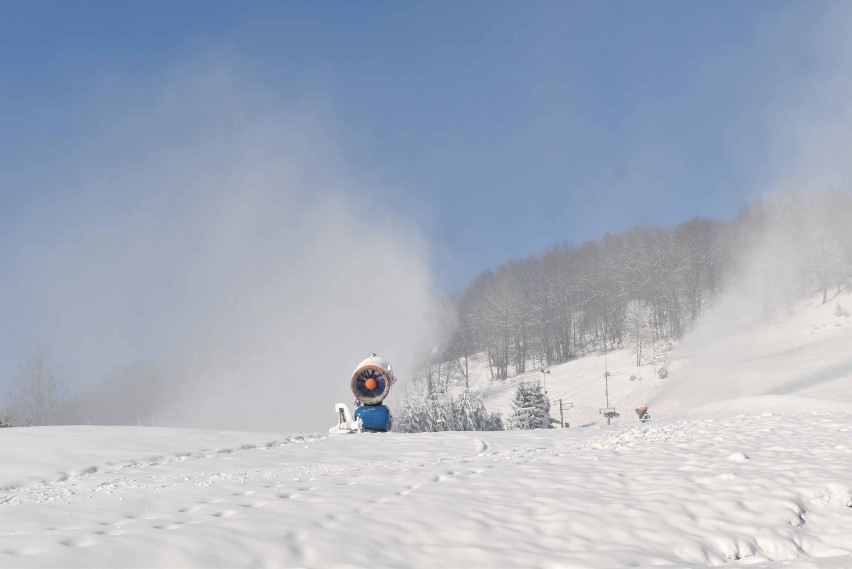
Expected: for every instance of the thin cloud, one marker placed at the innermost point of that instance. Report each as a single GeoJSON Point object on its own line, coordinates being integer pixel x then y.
{"type": "Point", "coordinates": [216, 264]}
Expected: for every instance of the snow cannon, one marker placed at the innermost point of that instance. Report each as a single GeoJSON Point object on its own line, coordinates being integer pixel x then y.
{"type": "Point", "coordinates": [642, 413]}
{"type": "Point", "coordinates": [374, 418]}
{"type": "Point", "coordinates": [370, 384]}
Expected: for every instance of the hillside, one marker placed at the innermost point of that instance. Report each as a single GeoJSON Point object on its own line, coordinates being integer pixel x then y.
{"type": "Point", "coordinates": [799, 358]}
{"type": "Point", "coordinates": [747, 461]}
{"type": "Point", "coordinates": [581, 384]}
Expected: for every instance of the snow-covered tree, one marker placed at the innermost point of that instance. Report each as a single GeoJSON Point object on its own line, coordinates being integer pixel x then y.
{"type": "Point", "coordinates": [440, 412]}
{"type": "Point", "coordinates": [465, 413]}
{"type": "Point", "coordinates": [637, 324]}
{"type": "Point", "coordinates": [473, 416]}
{"type": "Point", "coordinates": [531, 407]}
{"type": "Point", "coordinates": [568, 301]}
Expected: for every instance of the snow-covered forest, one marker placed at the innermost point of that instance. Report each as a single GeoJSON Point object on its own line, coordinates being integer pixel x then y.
{"type": "Point", "coordinates": [640, 291]}
{"type": "Point", "coordinates": [643, 284]}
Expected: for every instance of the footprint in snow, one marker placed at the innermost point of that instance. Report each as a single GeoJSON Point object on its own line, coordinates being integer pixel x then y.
{"type": "Point", "coordinates": [109, 532]}
{"type": "Point", "coordinates": [77, 542]}
{"type": "Point", "coordinates": [170, 527]}
{"type": "Point", "coordinates": [27, 551]}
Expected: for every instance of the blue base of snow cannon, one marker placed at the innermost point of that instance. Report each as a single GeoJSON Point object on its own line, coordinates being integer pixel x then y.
{"type": "Point", "coordinates": [376, 418]}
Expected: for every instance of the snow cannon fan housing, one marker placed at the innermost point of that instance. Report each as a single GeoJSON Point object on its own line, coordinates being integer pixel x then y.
{"type": "Point", "coordinates": [372, 380]}
{"type": "Point", "coordinates": [370, 384]}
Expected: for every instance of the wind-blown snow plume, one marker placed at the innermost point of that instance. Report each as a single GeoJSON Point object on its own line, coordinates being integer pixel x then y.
{"type": "Point", "coordinates": [797, 235]}
{"type": "Point", "coordinates": [217, 264]}
{"type": "Point", "coordinates": [797, 239]}
{"type": "Point", "coordinates": [756, 339]}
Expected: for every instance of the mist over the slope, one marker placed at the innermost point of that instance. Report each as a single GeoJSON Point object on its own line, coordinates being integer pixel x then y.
{"type": "Point", "coordinates": [783, 248]}
{"type": "Point", "coordinates": [211, 261]}
{"type": "Point", "coordinates": [796, 240]}
{"type": "Point", "coordinates": [790, 248]}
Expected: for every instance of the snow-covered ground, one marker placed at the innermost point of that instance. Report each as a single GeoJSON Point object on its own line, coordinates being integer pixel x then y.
{"type": "Point", "coordinates": [748, 461]}
{"type": "Point", "coordinates": [687, 493]}
{"type": "Point", "coordinates": [800, 358]}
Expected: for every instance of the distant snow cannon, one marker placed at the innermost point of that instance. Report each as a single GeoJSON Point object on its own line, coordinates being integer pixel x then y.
{"type": "Point", "coordinates": [370, 384]}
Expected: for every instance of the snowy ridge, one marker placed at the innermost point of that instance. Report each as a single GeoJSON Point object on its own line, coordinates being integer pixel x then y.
{"type": "Point", "coordinates": [645, 434]}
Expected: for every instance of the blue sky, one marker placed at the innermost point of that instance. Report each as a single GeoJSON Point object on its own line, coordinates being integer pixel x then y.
{"type": "Point", "coordinates": [502, 127]}
{"type": "Point", "coordinates": [206, 192]}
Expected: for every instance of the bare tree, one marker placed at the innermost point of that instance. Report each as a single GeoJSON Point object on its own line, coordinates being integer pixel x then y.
{"type": "Point", "coordinates": [37, 397]}
{"type": "Point", "coordinates": [637, 321]}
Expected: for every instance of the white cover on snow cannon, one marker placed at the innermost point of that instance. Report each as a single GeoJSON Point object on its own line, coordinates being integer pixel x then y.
{"type": "Point", "coordinates": [372, 380]}
{"type": "Point", "coordinates": [345, 422]}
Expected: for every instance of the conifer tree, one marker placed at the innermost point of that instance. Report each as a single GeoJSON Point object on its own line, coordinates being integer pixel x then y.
{"type": "Point", "coordinates": [531, 407]}
{"type": "Point", "coordinates": [440, 412]}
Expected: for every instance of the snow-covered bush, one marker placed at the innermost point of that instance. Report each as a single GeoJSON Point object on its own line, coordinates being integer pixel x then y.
{"type": "Point", "coordinates": [531, 407]}
{"type": "Point", "coordinates": [840, 312]}
{"type": "Point", "coordinates": [440, 412]}
{"type": "Point", "coordinates": [5, 421]}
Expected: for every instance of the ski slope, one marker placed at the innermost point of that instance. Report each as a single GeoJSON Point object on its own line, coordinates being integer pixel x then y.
{"type": "Point", "coordinates": [800, 357]}
{"type": "Point", "coordinates": [580, 383]}
{"type": "Point", "coordinates": [797, 358]}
